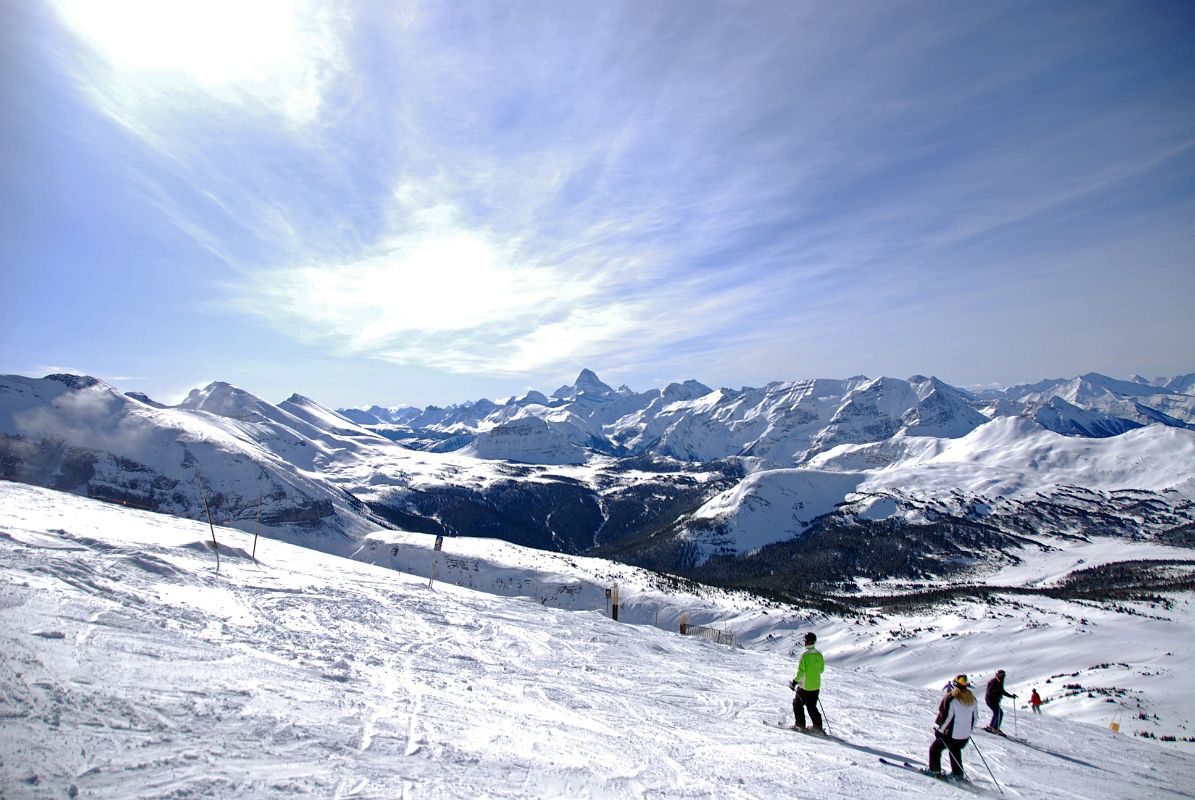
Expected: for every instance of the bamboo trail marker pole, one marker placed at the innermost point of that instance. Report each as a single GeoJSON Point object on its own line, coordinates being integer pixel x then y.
{"type": "Point", "coordinates": [203, 496]}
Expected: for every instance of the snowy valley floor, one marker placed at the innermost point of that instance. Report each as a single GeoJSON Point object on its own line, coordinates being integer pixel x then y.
{"type": "Point", "coordinates": [128, 668]}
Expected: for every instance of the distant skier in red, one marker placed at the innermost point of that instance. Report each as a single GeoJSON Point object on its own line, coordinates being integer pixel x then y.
{"type": "Point", "coordinates": [1035, 702]}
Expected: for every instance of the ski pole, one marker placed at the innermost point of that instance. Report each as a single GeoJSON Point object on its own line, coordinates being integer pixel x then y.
{"type": "Point", "coordinates": [1014, 717]}
{"type": "Point", "coordinates": [985, 763]}
{"type": "Point", "coordinates": [825, 721]}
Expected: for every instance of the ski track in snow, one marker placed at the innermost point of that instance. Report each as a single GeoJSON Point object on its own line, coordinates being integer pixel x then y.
{"type": "Point", "coordinates": [130, 668]}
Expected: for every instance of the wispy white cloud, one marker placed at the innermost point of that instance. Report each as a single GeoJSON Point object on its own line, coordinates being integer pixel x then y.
{"type": "Point", "coordinates": [517, 189]}
{"type": "Point", "coordinates": [445, 281]}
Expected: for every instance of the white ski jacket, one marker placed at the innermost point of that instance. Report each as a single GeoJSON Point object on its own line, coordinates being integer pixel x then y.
{"type": "Point", "coordinates": [956, 719]}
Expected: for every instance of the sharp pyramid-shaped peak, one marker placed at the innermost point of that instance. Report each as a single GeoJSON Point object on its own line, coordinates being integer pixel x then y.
{"type": "Point", "coordinates": [587, 383]}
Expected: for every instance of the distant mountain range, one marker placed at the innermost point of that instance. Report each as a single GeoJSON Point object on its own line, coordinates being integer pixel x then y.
{"type": "Point", "coordinates": [790, 486]}
{"type": "Point", "coordinates": [781, 424]}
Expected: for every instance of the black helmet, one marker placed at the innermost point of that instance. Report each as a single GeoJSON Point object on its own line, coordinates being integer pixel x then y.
{"type": "Point", "coordinates": [1000, 673]}
{"type": "Point", "coordinates": [810, 637]}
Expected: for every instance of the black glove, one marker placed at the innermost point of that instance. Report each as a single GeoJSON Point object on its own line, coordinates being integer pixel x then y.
{"type": "Point", "coordinates": [792, 685]}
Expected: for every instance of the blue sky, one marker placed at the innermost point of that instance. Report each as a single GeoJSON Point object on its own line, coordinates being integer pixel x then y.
{"type": "Point", "coordinates": [388, 202]}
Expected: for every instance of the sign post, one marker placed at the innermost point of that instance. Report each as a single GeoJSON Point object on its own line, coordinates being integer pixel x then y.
{"type": "Point", "coordinates": [256, 529]}
{"type": "Point", "coordinates": [436, 560]}
{"type": "Point", "coordinates": [614, 615]}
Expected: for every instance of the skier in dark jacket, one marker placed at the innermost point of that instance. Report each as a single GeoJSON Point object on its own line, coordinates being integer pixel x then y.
{"type": "Point", "coordinates": [994, 695]}
{"type": "Point", "coordinates": [952, 728]}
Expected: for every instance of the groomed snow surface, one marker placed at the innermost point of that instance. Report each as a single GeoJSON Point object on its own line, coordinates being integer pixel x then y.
{"type": "Point", "coordinates": [129, 668]}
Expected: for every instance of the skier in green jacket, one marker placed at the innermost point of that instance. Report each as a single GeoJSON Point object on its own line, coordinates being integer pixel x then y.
{"type": "Point", "coordinates": [808, 683]}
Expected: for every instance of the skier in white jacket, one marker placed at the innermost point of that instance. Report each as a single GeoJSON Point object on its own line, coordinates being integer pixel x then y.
{"type": "Point", "coordinates": [952, 728]}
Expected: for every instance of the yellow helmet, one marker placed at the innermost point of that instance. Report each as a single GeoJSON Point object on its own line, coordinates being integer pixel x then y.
{"type": "Point", "coordinates": [960, 681]}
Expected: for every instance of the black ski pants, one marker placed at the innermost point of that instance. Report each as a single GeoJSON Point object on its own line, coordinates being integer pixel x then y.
{"type": "Point", "coordinates": [997, 715]}
{"type": "Point", "coordinates": [806, 699]}
{"type": "Point", "coordinates": [955, 746]}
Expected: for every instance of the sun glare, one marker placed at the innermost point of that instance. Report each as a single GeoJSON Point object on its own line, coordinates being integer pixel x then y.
{"type": "Point", "coordinates": [215, 42]}
{"type": "Point", "coordinates": [275, 52]}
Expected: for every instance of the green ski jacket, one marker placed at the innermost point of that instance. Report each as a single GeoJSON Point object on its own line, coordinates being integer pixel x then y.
{"type": "Point", "coordinates": [809, 669]}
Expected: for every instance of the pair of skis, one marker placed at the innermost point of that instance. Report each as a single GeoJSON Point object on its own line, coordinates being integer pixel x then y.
{"type": "Point", "coordinates": [960, 782]}
{"type": "Point", "coordinates": [954, 780]}
{"type": "Point", "coordinates": [807, 731]}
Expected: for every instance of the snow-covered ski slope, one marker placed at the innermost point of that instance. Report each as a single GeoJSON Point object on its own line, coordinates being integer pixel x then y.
{"type": "Point", "coordinates": [1096, 662]}
{"type": "Point", "coordinates": [129, 668]}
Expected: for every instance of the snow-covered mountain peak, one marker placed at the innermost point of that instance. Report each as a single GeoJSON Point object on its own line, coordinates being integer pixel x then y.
{"type": "Point", "coordinates": [1091, 384]}
{"type": "Point", "coordinates": [1071, 420]}
{"type": "Point", "coordinates": [1181, 383]}
{"type": "Point", "coordinates": [527, 439]}
{"type": "Point", "coordinates": [587, 384]}
{"type": "Point", "coordinates": [688, 390]}
{"type": "Point", "coordinates": [531, 398]}
{"type": "Point", "coordinates": [225, 400]}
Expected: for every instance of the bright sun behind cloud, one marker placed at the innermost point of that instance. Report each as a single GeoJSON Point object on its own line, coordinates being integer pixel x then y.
{"type": "Point", "coordinates": [272, 50]}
